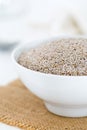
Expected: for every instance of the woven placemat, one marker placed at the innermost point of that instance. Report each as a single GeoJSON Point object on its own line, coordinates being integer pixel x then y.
{"type": "Point", "coordinates": [19, 107]}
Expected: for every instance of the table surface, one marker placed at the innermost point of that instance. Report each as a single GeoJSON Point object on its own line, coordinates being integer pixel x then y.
{"type": "Point", "coordinates": [7, 74]}
{"type": "Point", "coordinates": [7, 70]}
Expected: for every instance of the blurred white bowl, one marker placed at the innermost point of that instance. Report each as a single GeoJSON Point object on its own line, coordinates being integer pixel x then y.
{"type": "Point", "coordinates": [62, 95]}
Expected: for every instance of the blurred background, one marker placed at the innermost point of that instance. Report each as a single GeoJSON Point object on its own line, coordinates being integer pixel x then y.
{"type": "Point", "coordinates": [25, 21]}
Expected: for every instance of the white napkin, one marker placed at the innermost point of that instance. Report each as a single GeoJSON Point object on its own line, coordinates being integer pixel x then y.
{"type": "Point", "coordinates": [7, 127]}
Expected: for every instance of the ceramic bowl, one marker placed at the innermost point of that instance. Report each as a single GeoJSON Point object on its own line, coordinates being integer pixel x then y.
{"type": "Point", "coordinates": [62, 95]}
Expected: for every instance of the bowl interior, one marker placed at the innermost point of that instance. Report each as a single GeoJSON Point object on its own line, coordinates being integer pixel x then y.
{"type": "Point", "coordinates": [25, 47]}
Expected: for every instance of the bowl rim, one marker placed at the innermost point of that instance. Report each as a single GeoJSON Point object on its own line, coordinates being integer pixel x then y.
{"type": "Point", "coordinates": [19, 47]}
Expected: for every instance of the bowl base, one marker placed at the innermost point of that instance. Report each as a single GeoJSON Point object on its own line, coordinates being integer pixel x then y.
{"type": "Point", "coordinates": [67, 111]}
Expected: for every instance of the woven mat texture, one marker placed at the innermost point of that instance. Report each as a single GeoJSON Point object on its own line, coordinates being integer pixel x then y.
{"type": "Point", "coordinates": [20, 108]}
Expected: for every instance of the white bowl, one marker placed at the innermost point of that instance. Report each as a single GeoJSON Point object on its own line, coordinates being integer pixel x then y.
{"type": "Point", "coordinates": [62, 95]}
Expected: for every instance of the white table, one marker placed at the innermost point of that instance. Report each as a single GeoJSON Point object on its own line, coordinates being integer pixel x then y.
{"type": "Point", "coordinates": [7, 73]}
{"type": "Point", "coordinates": [7, 70]}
